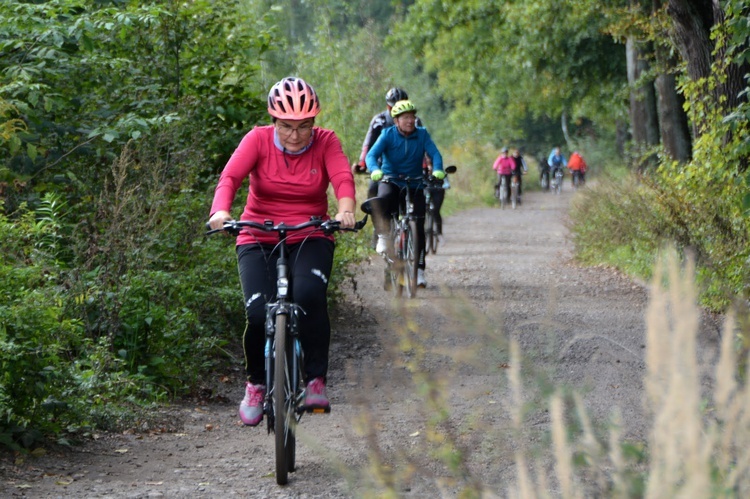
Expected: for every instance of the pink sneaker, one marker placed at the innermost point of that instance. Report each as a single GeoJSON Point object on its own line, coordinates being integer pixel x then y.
{"type": "Point", "coordinates": [315, 394]}
{"type": "Point", "coordinates": [251, 407]}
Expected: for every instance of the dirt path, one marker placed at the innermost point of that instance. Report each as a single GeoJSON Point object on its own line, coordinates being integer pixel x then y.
{"type": "Point", "coordinates": [499, 274]}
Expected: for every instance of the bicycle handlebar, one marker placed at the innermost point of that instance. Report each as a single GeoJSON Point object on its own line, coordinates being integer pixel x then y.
{"type": "Point", "coordinates": [330, 226]}
{"type": "Point", "coordinates": [403, 178]}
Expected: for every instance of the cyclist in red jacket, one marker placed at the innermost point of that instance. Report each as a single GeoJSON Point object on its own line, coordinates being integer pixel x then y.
{"type": "Point", "coordinates": [290, 165]}
{"type": "Point", "coordinates": [577, 166]}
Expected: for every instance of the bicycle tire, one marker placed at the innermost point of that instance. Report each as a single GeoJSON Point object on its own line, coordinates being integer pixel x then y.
{"type": "Point", "coordinates": [411, 259]}
{"type": "Point", "coordinates": [435, 239]}
{"type": "Point", "coordinates": [513, 194]}
{"type": "Point", "coordinates": [503, 193]}
{"type": "Point", "coordinates": [397, 265]}
{"type": "Point", "coordinates": [429, 231]}
{"type": "Point", "coordinates": [283, 402]}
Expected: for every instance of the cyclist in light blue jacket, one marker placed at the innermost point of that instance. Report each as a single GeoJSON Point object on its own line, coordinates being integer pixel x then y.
{"type": "Point", "coordinates": [402, 149]}
{"type": "Point", "coordinates": [556, 161]}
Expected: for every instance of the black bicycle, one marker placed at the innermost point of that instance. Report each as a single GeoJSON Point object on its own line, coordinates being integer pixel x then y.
{"type": "Point", "coordinates": [283, 405]}
{"type": "Point", "coordinates": [432, 212]}
{"type": "Point", "coordinates": [402, 256]}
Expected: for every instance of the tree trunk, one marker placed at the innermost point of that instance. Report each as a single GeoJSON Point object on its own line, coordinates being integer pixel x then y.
{"type": "Point", "coordinates": [692, 24]}
{"type": "Point", "coordinates": [644, 119]}
{"type": "Point", "coordinates": [675, 131]}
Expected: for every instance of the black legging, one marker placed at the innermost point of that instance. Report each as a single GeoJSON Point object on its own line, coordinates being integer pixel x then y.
{"type": "Point", "coordinates": [372, 189]}
{"type": "Point", "coordinates": [519, 176]}
{"type": "Point", "coordinates": [437, 194]}
{"type": "Point", "coordinates": [390, 196]}
{"type": "Point", "coordinates": [310, 263]}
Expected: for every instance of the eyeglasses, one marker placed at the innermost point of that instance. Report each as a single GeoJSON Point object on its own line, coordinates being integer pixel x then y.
{"type": "Point", "coordinates": [286, 130]}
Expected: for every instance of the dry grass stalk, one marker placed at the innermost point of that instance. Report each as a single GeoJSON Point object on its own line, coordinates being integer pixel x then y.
{"type": "Point", "coordinates": [680, 447]}
{"type": "Point", "coordinates": [563, 453]}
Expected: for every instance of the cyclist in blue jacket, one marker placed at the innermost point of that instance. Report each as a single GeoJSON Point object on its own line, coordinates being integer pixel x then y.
{"type": "Point", "coordinates": [401, 149]}
{"type": "Point", "coordinates": [556, 161]}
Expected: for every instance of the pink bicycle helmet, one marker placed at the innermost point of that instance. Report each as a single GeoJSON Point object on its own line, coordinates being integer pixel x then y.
{"type": "Point", "coordinates": [293, 99]}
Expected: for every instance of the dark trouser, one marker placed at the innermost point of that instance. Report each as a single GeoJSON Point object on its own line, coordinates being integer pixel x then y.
{"type": "Point", "coordinates": [437, 195]}
{"type": "Point", "coordinates": [519, 176]}
{"type": "Point", "coordinates": [310, 263]}
{"type": "Point", "coordinates": [390, 196]}
{"type": "Point", "coordinates": [575, 173]}
{"type": "Point", "coordinates": [544, 171]}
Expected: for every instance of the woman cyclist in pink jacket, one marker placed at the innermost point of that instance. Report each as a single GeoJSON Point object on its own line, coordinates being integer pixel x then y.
{"type": "Point", "coordinates": [290, 165]}
{"type": "Point", "coordinates": [504, 165]}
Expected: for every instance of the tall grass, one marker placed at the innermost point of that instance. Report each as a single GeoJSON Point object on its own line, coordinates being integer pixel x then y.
{"type": "Point", "coordinates": [697, 417]}
{"type": "Point", "coordinates": [699, 433]}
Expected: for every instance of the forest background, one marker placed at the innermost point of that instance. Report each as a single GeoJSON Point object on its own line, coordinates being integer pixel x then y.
{"type": "Point", "coordinates": [117, 116]}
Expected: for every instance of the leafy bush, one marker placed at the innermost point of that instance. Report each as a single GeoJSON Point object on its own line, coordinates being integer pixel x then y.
{"type": "Point", "coordinates": [626, 223]}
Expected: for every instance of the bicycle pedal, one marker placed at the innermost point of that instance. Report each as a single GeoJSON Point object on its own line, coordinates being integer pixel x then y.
{"type": "Point", "coordinates": [315, 410]}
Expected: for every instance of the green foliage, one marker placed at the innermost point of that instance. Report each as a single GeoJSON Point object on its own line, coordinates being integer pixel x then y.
{"type": "Point", "coordinates": [701, 206]}
{"type": "Point", "coordinates": [123, 71]}
{"type": "Point", "coordinates": [504, 67]}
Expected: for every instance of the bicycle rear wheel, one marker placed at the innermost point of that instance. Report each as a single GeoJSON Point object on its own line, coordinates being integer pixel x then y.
{"type": "Point", "coordinates": [429, 231]}
{"type": "Point", "coordinates": [283, 402]}
{"type": "Point", "coordinates": [411, 259]}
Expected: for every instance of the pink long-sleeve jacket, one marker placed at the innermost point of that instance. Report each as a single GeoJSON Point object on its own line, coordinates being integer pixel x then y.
{"type": "Point", "coordinates": [504, 165]}
{"type": "Point", "coordinates": [284, 187]}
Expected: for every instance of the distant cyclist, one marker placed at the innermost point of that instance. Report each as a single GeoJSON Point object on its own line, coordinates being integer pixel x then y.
{"type": "Point", "coordinates": [556, 161]}
{"type": "Point", "coordinates": [543, 172]}
{"type": "Point", "coordinates": [504, 166]}
{"type": "Point", "coordinates": [520, 170]}
{"type": "Point", "coordinates": [577, 166]}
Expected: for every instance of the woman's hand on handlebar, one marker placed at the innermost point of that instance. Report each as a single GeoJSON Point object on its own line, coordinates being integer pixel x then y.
{"type": "Point", "coordinates": [346, 218]}
{"type": "Point", "coordinates": [216, 222]}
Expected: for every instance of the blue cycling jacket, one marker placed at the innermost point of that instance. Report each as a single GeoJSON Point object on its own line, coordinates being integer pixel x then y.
{"type": "Point", "coordinates": [403, 155]}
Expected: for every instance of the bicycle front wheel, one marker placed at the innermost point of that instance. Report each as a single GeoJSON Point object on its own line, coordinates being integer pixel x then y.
{"type": "Point", "coordinates": [411, 259]}
{"type": "Point", "coordinates": [513, 194]}
{"type": "Point", "coordinates": [283, 402]}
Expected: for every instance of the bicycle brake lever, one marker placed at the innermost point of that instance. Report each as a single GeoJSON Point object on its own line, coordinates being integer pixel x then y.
{"type": "Point", "coordinates": [361, 223]}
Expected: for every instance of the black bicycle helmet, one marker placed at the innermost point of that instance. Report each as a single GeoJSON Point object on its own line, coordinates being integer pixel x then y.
{"type": "Point", "coordinates": [394, 95]}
